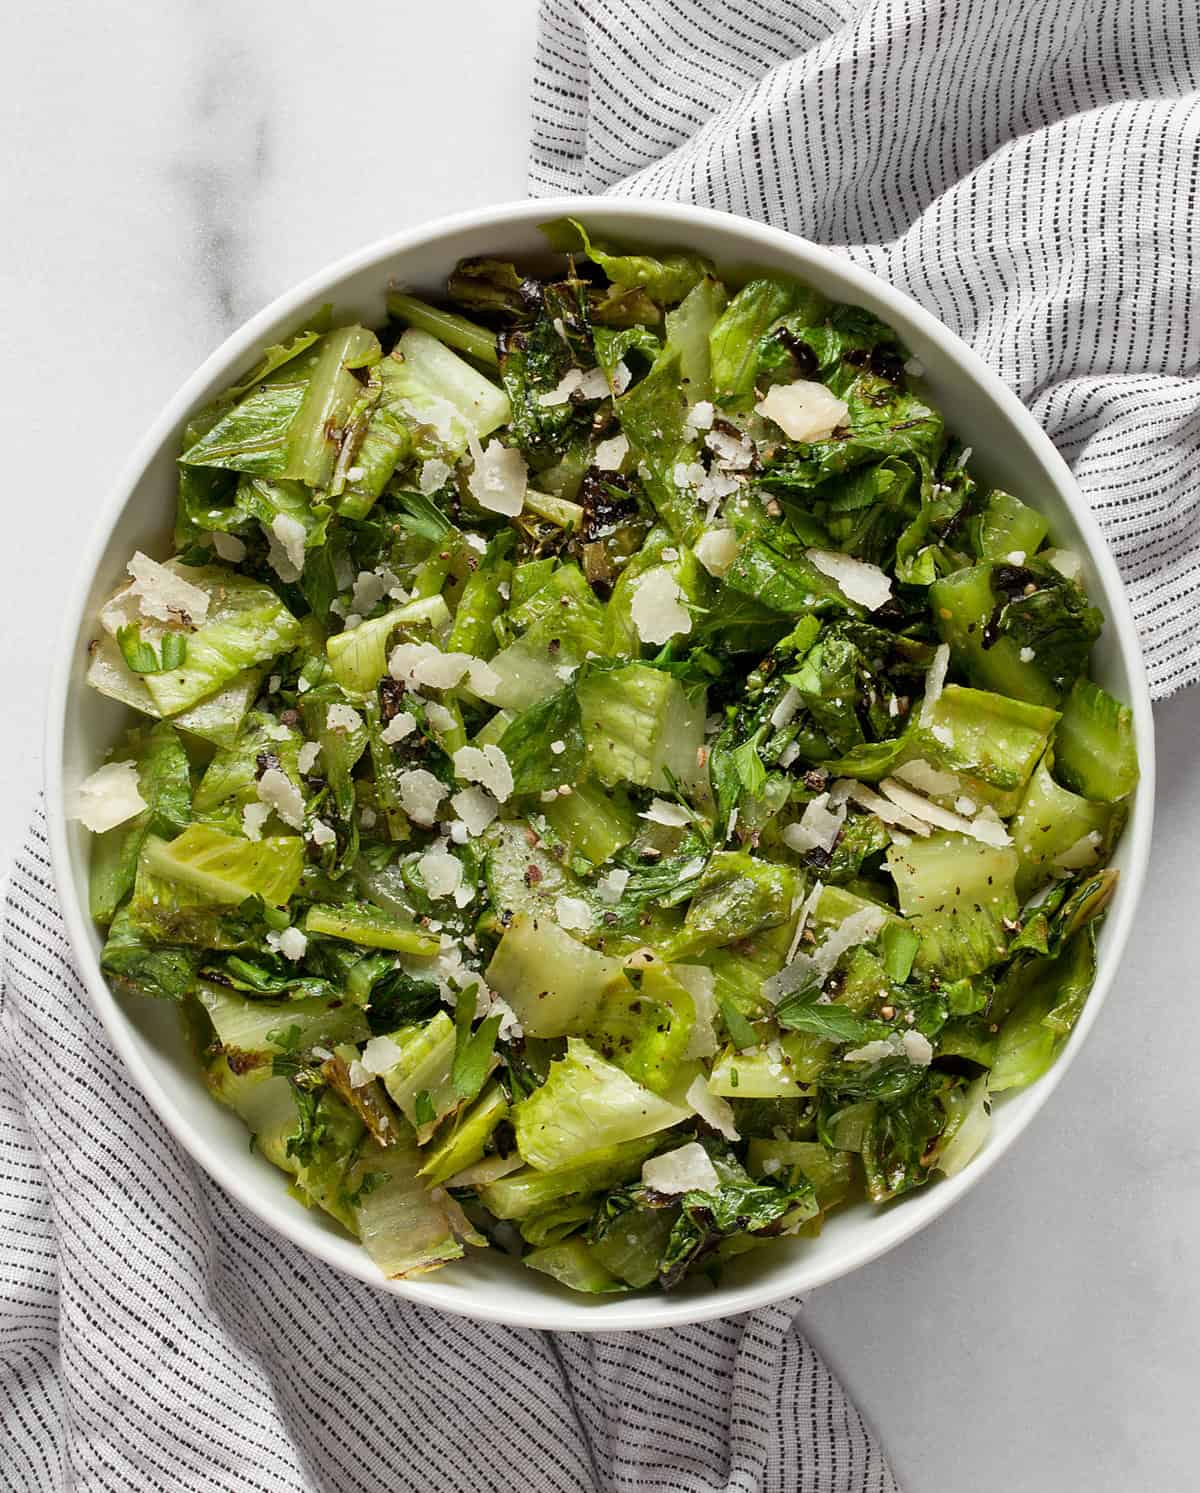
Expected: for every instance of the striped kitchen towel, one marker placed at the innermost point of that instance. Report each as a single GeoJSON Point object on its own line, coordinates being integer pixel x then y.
{"type": "Point", "coordinates": [1026, 169]}
{"type": "Point", "coordinates": [154, 1338]}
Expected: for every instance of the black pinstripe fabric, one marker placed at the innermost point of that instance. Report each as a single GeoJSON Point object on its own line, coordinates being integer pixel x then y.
{"type": "Point", "coordinates": [1028, 171]}
{"type": "Point", "coordinates": [153, 1337]}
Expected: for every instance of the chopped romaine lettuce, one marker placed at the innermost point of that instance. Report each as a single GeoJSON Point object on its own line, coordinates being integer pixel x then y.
{"type": "Point", "coordinates": [610, 783]}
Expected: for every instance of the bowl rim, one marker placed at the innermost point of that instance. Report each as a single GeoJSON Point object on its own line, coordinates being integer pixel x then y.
{"type": "Point", "coordinates": [891, 1227]}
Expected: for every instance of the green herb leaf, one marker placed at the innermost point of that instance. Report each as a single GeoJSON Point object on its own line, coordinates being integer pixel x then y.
{"type": "Point", "coordinates": [420, 515]}
{"type": "Point", "coordinates": [741, 1033]}
{"type": "Point", "coordinates": [472, 1050]}
{"type": "Point", "coordinates": [834, 1023]}
{"type": "Point", "coordinates": [141, 657]}
{"type": "Point", "coordinates": [898, 947]}
{"type": "Point", "coordinates": [423, 1105]}
{"type": "Point", "coordinates": [286, 1037]}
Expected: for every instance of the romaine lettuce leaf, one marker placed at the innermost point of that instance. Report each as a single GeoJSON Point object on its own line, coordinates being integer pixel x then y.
{"type": "Point", "coordinates": [587, 1106]}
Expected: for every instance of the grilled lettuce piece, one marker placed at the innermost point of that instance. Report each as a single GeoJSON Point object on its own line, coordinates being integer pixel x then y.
{"type": "Point", "coordinates": [988, 743]}
{"type": "Point", "coordinates": [1022, 630]}
{"type": "Point", "coordinates": [961, 898]}
{"type": "Point", "coordinates": [736, 897]}
{"type": "Point", "coordinates": [404, 1228]}
{"type": "Point", "coordinates": [1056, 832]}
{"type": "Point", "coordinates": [640, 726]}
{"type": "Point", "coordinates": [524, 1193]}
{"type": "Point", "coordinates": [1006, 527]}
{"type": "Point", "coordinates": [643, 1023]}
{"type": "Point", "coordinates": [666, 278]}
{"type": "Point", "coordinates": [142, 965]}
{"type": "Point", "coordinates": [284, 427]}
{"type": "Point", "coordinates": [553, 982]}
{"type": "Point", "coordinates": [593, 821]}
{"type": "Point", "coordinates": [164, 781]}
{"type": "Point", "coordinates": [586, 1105]}
{"type": "Point", "coordinates": [371, 927]}
{"type": "Point", "coordinates": [420, 1082]}
{"type": "Point", "coordinates": [263, 1029]}
{"type": "Point", "coordinates": [575, 1265]}
{"type": "Point", "coordinates": [738, 332]}
{"type": "Point", "coordinates": [449, 402]}
{"type": "Point", "coordinates": [225, 869]}
{"type": "Point", "coordinates": [246, 624]}
{"type": "Point", "coordinates": [740, 1207]}
{"type": "Point", "coordinates": [467, 1137]}
{"type": "Point", "coordinates": [1095, 753]}
{"type": "Point", "coordinates": [1053, 992]}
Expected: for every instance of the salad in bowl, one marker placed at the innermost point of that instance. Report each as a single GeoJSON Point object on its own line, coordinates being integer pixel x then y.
{"type": "Point", "coordinates": [604, 781]}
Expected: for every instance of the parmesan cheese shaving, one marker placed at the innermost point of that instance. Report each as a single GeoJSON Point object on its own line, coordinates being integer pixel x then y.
{"type": "Point", "coordinates": [163, 594]}
{"type": "Point", "coordinates": [935, 682]}
{"type": "Point", "coordinates": [441, 873]}
{"type": "Point", "coordinates": [488, 766]}
{"type": "Point", "coordinates": [874, 803]}
{"type": "Point", "coordinates": [658, 608]}
{"type": "Point", "coordinates": [420, 794]}
{"type": "Point", "coordinates": [433, 476]}
{"type": "Point", "coordinates": [343, 718]}
{"type": "Point", "coordinates": [611, 454]}
{"type": "Point", "coordinates": [611, 886]}
{"type": "Point", "coordinates": [860, 927]}
{"type": "Point", "coordinates": [476, 808]}
{"type": "Point", "coordinates": [278, 791]}
{"type": "Point", "coordinates": [108, 797]}
{"type": "Point", "coordinates": [926, 778]}
{"type": "Point", "coordinates": [573, 913]}
{"type": "Point", "coordinates": [402, 724]}
{"type": "Point", "coordinates": [380, 1056]}
{"type": "Point", "coordinates": [711, 1108]}
{"type": "Point", "coordinates": [717, 549]}
{"type": "Point", "coordinates": [1084, 852]}
{"type": "Point", "coordinates": [817, 828]}
{"type": "Point", "coordinates": [662, 811]}
{"type": "Point", "coordinates": [858, 581]}
{"type": "Point", "coordinates": [290, 535]}
{"type": "Point", "coordinates": [804, 411]}
{"type": "Point", "coordinates": [229, 547]}
{"type": "Point", "coordinates": [499, 478]}
{"type": "Point", "coordinates": [688, 1169]}
{"type": "Point", "coordinates": [985, 828]}
{"type": "Point", "coordinates": [254, 816]}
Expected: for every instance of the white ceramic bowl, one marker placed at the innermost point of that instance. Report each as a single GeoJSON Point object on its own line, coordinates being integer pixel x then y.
{"type": "Point", "coordinates": [1010, 451]}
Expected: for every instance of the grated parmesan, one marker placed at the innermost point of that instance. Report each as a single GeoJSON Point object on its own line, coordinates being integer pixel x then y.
{"type": "Point", "coordinates": [658, 608]}
{"type": "Point", "coordinates": [817, 828]}
{"type": "Point", "coordinates": [420, 794]}
{"type": "Point", "coordinates": [573, 913]}
{"type": "Point", "coordinates": [499, 478]}
{"type": "Point", "coordinates": [935, 682]}
{"type": "Point", "coordinates": [277, 791]}
{"type": "Point", "coordinates": [476, 808]}
{"type": "Point", "coordinates": [109, 797]}
{"type": "Point", "coordinates": [254, 816]}
{"type": "Point", "coordinates": [804, 411]}
{"type": "Point", "coordinates": [711, 1108]}
{"type": "Point", "coordinates": [662, 811]}
{"type": "Point", "coordinates": [687, 1169]}
{"type": "Point", "coordinates": [857, 580]}
{"type": "Point", "coordinates": [164, 594]}
{"type": "Point", "coordinates": [717, 549]}
{"type": "Point", "coordinates": [611, 454]}
{"type": "Point", "coordinates": [487, 766]}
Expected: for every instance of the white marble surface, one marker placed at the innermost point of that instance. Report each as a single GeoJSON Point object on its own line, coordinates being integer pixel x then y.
{"type": "Point", "coordinates": [171, 166]}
